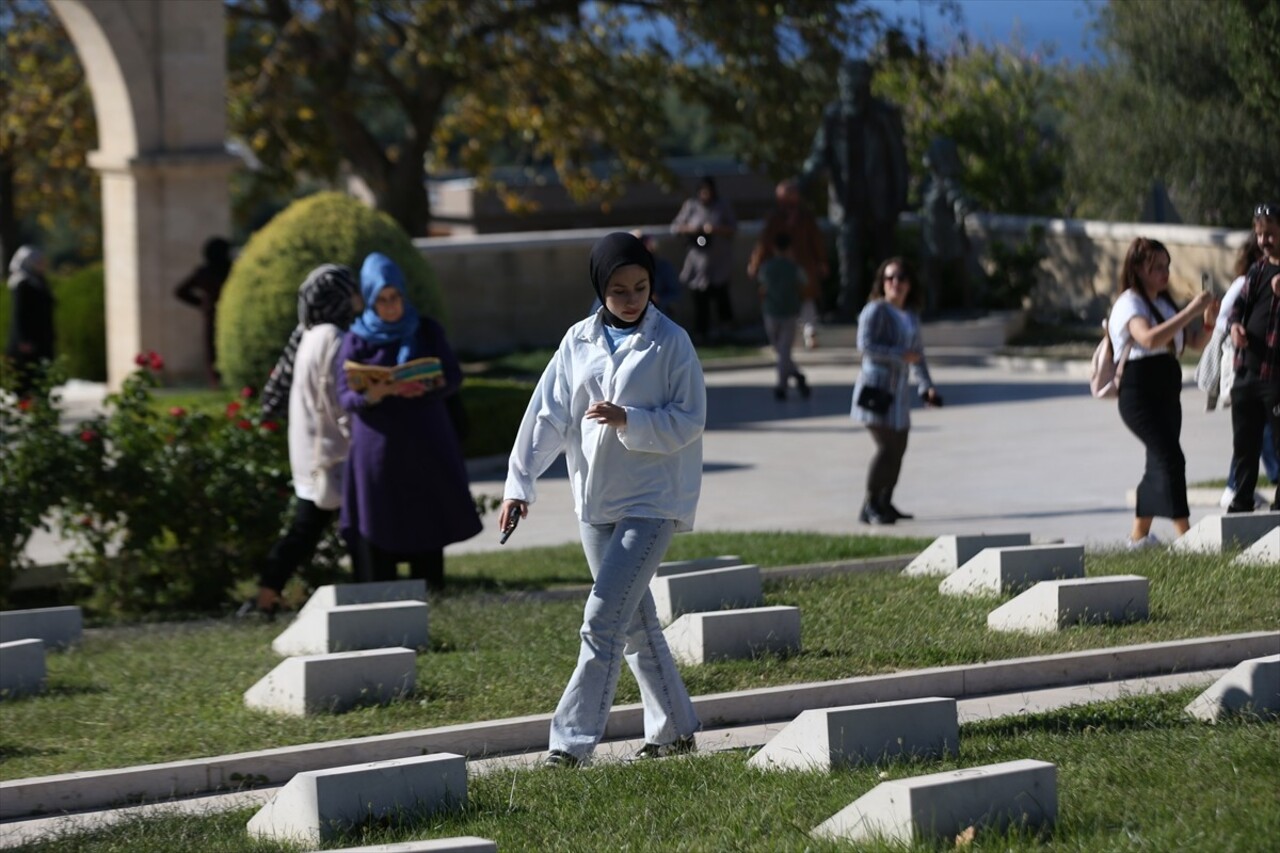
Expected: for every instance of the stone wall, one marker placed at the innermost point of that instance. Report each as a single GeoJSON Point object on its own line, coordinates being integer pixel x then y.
{"type": "Point", "coordinates": [509, 291]}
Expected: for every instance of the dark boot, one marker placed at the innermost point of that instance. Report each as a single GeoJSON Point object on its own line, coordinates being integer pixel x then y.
{"type": "Point", "coordinates": [887, 507]}
{"type": "Point", "coordinates": [873, 513]}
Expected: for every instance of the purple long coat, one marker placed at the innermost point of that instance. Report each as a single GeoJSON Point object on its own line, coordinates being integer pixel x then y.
{"type": "Point", "coordinates": [405, 485]}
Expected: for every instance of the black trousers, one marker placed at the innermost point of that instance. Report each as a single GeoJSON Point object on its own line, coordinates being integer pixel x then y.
{"type": "Point", "coordinates": [886, 464]}
{"type": "Point", "coordinates": [378, 564]}
{"type": "Point", "coordinates": [1253, 404]}
{"type": "Point", "coordinates": [297, 545]}
{"type": "Point", "coordinates": [1151, 408]}
{"type": "Point", "coordinates": [717, 293]}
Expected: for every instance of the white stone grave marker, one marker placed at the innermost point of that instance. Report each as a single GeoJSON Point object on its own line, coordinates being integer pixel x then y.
{"type": "Point", "coordinates": [58, 627]}
{"type": "Point", "coordinates": [942, 805]}
{"type": "Point", "coordinates": [679, 567]}
{"type": "Point", "coordinates": [458, 844]}
{"type": "Point", "coordinates": [22, 668]}
{"type": "Point", "coordinates": [1252, 686]}
{"type": "Point", "coordinates": [994, 571]}
{"type": "Point", "coordinates": [317, 684]}
{"type": "Point", "coordinates": [697, 638]}
{"type": "Point", "coordinates": [382, 625]}
{"type": "Point", "coordinates": [334, 595]}
{"type": "Point", "coordinates": [316, 805]}
{"type": "Point", "coordinates": [1052, 605]}
{"type": "Point", "coordinates": [828, 738]}
{"type": "Point", "coordinates": [1264, 552]}
{"type": "Point", "coordinates": [1217, 533]}
{"type": "Point", "coordinates": [712, 589]}
{"type": "Point", "coordinates": [948, 553]}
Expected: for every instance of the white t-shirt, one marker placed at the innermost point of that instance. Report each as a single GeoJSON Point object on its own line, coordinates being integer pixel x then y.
{"type": "Point", "coordinates": [1131, 305]}
{"type": "Point", "coordinates": [1224, 313]}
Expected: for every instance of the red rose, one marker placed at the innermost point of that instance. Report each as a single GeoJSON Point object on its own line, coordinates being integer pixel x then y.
{"type": "Point", "coordinates": [88, 436]}
{"type": "Point", "coordinates": [140, 359]}
{"type": "Point", "coordinates": [177, 411]}
{"type": "Point", "coordinates": [233, 408]}
{"type": "Point", "coordinates": [244, 424]}
{"type": "Point", "coordinates": [270, 426]}
{"type": "Point", "coordinates": [24, 404]}
{"type": "Point", "coordinates": [86, 521]}
{"type": "Point", "coordinates": [155, 361]}
{"type": "Point", "coordinates": [247, 392]}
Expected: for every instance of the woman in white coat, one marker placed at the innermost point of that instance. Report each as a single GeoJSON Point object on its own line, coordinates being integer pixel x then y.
{"type": "Point", "coordinates": [623, 398]}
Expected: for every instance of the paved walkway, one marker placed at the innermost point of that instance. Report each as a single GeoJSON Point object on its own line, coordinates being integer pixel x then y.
{"type": "Point", "coordinates": [1017, 448]}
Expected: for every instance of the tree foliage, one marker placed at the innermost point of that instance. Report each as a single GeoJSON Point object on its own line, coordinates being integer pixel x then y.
{"type": "Point", "coordinates": [1188, 99]}
{"type": "Point", "coordinates": [46, 130]}
{"type": "Point", "coordinates": [1001, 106]}
{"type": "Point", "coordinates": [392, 85]}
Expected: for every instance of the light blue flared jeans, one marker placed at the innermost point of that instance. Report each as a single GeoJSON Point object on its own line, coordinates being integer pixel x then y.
{"type": "Point", "coordinates": [620, 622]}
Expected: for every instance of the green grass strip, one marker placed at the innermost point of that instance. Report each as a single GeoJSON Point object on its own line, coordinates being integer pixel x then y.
{"type": "Point", "coordinates": [1133, 774]}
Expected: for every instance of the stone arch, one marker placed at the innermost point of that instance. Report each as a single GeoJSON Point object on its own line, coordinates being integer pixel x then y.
{"type": "Point", "coordinates": [157, 73]}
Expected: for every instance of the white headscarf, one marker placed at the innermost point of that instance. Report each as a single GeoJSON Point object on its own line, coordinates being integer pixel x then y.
{"type": "Point", "coordinates": [23, 266]}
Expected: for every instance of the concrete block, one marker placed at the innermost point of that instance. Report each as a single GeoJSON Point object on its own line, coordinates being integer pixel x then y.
{"type": "Point", "coordinates": [22, 667]}
{"type": "Point", "coordinates": [316, 805]}
{"type": "Point", "coordinates": [948, 553]}
{"type": "Point", "coordinates": [1264, 552]}
{"type": "Point", "coordinates": [460, 844]}
{"type": "Point", "coordinates": [1052, 605]}
{"type": "Point", "coordinates": [1217, 533]}
{"type": "Point", "coordinates": [829, 738]}
{"type": "Point", "coordinates": [679, 567]}
{"type": "Point", "coordinates": [317, 684]}
{"type": "Point", "coordinates": [697, 638]}
{"type": "Point", "coordinates": [345, 594]}
{"type": "Point", "coordinates": [713, 589]}
{"type": "Point", "coordinates": [942, 805]}
{"type": "Point", "coordinates": [995, 571]}
{"type": "Point", "coordinates": [58, 627]}
{"type": "Point", "coordinates": [1252, 687]}
{"type": "Point", "coordinates": [352, 627]}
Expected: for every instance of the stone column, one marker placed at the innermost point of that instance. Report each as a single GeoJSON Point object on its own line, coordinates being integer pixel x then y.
{"type": "Point", "coordinates": [158, 211]}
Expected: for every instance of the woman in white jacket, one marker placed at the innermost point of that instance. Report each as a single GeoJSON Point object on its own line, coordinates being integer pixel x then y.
{"type": "Point", "coordinates": [623, 398]}
{"type": "Point", "coordinates": [319, 438]}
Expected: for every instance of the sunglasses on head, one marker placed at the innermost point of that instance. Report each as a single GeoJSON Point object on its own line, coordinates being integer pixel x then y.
{"type": "Point", "coordinates": [1267, 209]}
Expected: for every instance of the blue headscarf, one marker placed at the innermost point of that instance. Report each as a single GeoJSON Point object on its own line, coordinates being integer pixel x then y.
{"type": "Point", "coordinates": [377, 272]}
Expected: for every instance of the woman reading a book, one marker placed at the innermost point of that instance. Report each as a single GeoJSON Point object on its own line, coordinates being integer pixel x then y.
{"type": "Point", "coordinates": [406, 490]}
{"type": "Point", "coordinates": [623, 399]}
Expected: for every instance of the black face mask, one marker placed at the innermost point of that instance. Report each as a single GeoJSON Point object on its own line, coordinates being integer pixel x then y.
{"type": "Point", "coordinates": [608, 255]}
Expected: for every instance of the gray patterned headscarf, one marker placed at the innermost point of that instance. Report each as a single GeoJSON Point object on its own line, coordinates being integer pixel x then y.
{"type": "Point", "coordinates": [23, 267]}
{"type": "Point", "coordinates": [324, 297]}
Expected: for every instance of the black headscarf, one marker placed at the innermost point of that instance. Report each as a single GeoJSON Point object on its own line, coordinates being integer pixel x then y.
{"type": "Point", "coordinates": [324, 297]}
{"type": "Point", "coordinates": [611, 252]}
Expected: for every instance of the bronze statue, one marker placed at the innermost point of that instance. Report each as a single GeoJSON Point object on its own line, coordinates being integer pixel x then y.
{"type": "Point", "coordinates": [860, 146]}
{"type": "Point", "coordinates": [944, 245]}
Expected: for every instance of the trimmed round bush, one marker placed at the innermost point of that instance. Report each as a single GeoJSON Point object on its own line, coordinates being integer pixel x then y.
{"type": "Point", "coordinates": [258, 307]}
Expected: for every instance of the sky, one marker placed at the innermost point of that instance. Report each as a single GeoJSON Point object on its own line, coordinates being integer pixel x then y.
{"type": "Point", "coordinates": [1063, 24]}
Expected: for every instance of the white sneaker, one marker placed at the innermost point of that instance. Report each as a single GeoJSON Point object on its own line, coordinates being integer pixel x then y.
{"type": "Point", "coordinates": [1148, 541]}
{"type": "Point", "coordinates": [1228, 495]}
{"type": "Point", "coordinates": [1259, 502]}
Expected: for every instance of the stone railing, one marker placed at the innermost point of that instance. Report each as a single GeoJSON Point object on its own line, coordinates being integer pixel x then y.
{"type": "Point", "coordinates": [507, 291]}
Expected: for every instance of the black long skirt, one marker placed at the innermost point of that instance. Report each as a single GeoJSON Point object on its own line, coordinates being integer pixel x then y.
{"type": "Point", "coordinates": [1150, 407]}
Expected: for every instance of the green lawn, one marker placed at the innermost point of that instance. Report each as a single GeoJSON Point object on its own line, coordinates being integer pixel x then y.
{"type": "Point", "coordinates": [155, 693]}
{"type": "Point", "coordinates": [1132, 775]}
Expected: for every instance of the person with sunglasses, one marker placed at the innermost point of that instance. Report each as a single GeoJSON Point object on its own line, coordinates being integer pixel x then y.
{"type": "Point", "coordinates": [891, 347]}
{"type": "Point", "coordinates": [1255, 331]}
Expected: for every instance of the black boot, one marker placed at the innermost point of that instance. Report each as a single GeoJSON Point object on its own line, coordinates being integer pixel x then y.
{"type": "Point", "coordinates": [887, 507]}
{"type": "Point", "coordinates": [873, 513]}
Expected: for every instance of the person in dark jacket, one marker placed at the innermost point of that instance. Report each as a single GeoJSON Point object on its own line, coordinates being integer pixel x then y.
{"type": "Point", "coordinates": [201, 289]}
{"type": "Point", "coordinates": [30, 344]}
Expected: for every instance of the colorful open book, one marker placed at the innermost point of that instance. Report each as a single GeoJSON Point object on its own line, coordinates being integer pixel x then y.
{"type": "Point", "coordinates": [361, 376]}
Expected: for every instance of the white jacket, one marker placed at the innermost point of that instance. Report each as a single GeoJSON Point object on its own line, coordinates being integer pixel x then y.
{"type": "Point", "coordinates": [319, 436]}
{"type": "Point", "coordinates": [650, 469]}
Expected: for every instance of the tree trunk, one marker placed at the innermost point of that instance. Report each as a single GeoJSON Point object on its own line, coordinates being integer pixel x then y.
{"type": "Point", "coordinates": [9, 235]}
{"type": "Point", "coordinates": [404, 196]}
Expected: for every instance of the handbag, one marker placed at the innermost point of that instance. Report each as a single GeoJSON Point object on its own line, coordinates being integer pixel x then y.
{"type": "Point", "coordinates": [876, 400]}
{"type": "Point", "coordinates": [1105, 372]}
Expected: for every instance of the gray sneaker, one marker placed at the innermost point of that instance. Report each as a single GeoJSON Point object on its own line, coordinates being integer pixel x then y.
{"type": "Point", "coordinates": [680, 746]}
{"type": "Point", "coordinates": [559, 758]}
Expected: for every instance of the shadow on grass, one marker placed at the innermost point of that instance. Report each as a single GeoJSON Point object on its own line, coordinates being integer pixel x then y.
{"type": "Point", "coordinates": [1134, 713]}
